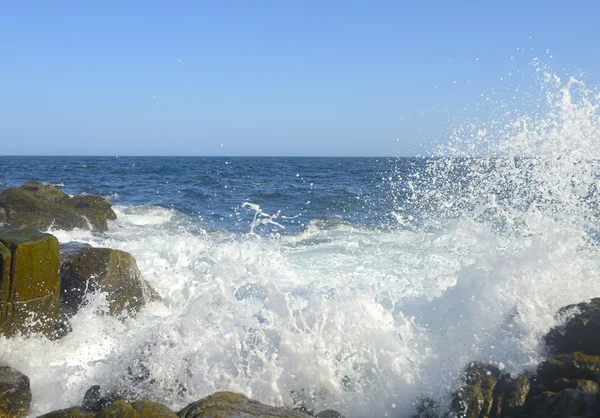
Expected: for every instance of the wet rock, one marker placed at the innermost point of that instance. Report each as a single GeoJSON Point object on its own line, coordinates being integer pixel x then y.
{"type": "Point", "coordinates": [580, 333]}
{"type": "Point", "coordinates": [15, 393]}
{"type": "Point", "coordinates": [85, 269]}
{"type": "Point", "coordinates": [329, 413]}
{"type": "Point", "coordinates": [475, 398]}
{"type": "Point", "coordinates": [95, 401]}
{"type": "Point", "coordinates": [235, 405]}
{"type": "Point", "coordinates": [29, 281]}
{"type": "Point", "coordinates": [136, 409]}
{"type": "Point", "coordinates": [427, 408]}
{"type": "Point", "coordinates": [39, 206]}
{"type": "Point", "coordinates": [570, 366]}
{"type": "Point", "coordinates": [565, 404]}
{"type": "Point", "coordinates": [509, 396]}
{"type": "Point", "coordinates": [74, 412]}
{"type": "Point", "coordinates": [578, 384]}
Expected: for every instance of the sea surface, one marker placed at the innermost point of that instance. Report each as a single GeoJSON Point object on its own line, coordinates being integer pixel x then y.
{"type": "Point", "coordinates": [356, 284]}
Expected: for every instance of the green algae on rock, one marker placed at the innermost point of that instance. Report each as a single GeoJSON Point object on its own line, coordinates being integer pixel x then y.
{"type": "Point", "coordinates": [235, 405]}
{"type": "Point", "coordinates": [74, 412]}
{"type": "Point", "coordinates": [40, 206]}
{"type": "Point", "coordinates": [29, 281]}
{"type": "Point", "coordinates": [136, 409]}
{"type": "Point", "coordinates": [85, 269]}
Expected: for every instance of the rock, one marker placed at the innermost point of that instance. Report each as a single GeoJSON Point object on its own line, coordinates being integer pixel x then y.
{"type": "Point", "coordinates": [565, 404]}
{"type": "Point", "coordinates": [93, 401]}
{"type": "Point", "coordinates": [580, 333]}
{"type": "Point", "coordinates": [475, 398]}
{"type": "Point", "coordinates": [329, 413]}
{"type": "Point", "coordinates": [427, 408]}
{"type": "Point", "coordinates": [74, 412]}
{"type": "Point", "coordinates": [137, 409]}
{"type": "Point", "coordinates": [509, 396]}
{"type": "Point", "coordinates": [235, 405]}
{"type": "Point", "coordinates": [15, 393]}
{"type": "Point", "coordinates": [40, 206]}
{"type": "Point", "coordinates": [570, 366]}
{"type": "Point", "coordinates": [85, 269]}
{"type": "Point", "coordinates": [29, 281]}
{"type": "Point", "coordinates": [578, 384]}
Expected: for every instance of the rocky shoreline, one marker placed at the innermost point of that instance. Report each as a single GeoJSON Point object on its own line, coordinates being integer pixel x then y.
{"type": "Point", "coordinates": [43, 284]}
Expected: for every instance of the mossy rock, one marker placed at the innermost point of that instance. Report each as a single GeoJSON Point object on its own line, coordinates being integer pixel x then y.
{"type": "Point", "coordinates": [235, 405]}
{"type": "Point", "coordinates": [74, 412]}
{"type": "Point", "coordinates": [580, 333]}
{"type": "Point", "coordinates": [85, 269]}
{"type": "Point", "coordinates": [582, 385]}
{"type": "Point", "coordinates": [15, 393]}
{"type": "Point", "coordinates": [475, 398]}
{"type": "Point", "coordinates": [137, 409]}
{"type": "Point", "coordinates": [39, 206]}
{"type": "Point", "coordinates": [509, 396]}
{"type": "Point", "coordinates": [570, 366]}
{"type": "Point", "coordinates": [29, 281]}
{"type": "Point", "coordinates": [564, 404]}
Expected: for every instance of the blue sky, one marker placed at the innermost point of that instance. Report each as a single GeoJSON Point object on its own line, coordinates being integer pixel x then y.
{"type": "Point", "coordinates": [309, 78]}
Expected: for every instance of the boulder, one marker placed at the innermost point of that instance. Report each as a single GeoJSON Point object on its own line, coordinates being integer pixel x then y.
{"type": "Point", "coordinates": [39, 206]}
{"type": "Point", "coordinates": [136, 409]}
{"type": "Point", "coordinates": [85, 269]}
{"type": "Point", "coordinates": [582, 385]}
{"type": "Point", "coordinates": [509, 396]}
{"type": "Point", "coordinates": [579, 333]}
{"type": "Point", "coordinates": [569, 366]}
{"type": "Point", "coordinates": [15, 393]}
{"type": "Point", "coordinates": [235, 405]}
{"type": "Point", "coordinates": [29, 281]}
{"type": "Point", "coordinates": [74, 412]}
{"type": "Point", "coordinates": [475, 398]}
{"type": "Point", "coordinates": [565, 404]}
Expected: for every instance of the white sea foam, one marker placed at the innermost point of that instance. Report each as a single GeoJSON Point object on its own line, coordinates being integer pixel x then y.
{"type": "Point", "coordinates": [360, 320]}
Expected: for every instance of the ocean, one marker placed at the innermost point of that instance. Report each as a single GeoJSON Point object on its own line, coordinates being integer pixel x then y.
{"type": "Point", "coordinates": [356, 284]}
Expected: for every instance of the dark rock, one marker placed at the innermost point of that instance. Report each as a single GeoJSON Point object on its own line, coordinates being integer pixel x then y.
{"type": "Point", "coordinates": [94, 401]}
{"type": "Point", "coordinates": [235, 405]}
{"type": "Point", "coordinates": [509, 396]}
{"type": "Point", "coordinates": [475, 398]}
{"type": "Point", "coordinates": [74, 412]}
{"type": "Point", "coordinates": [570, 366]}
{"type": "Point", "coordinates": [329, 413]}
{"type": "Point", "coordinates": [578, 384]}
{"type": "Point", "coordinates": [85, 269]}
{"type": "Point", "coordinates": [136, 409]}
{"type": "Point", "coordinates": [427, 408]}
{"type": "Point", "coordinates": [580, 333]}
{"type": "Point", "coordinates": [565, 404]}
{"type": "Point", "coordinates": [29, 281]}
{"type": "Point", "coordinates": [40, 206]}
{"type": "Point", "coordinates": [15, 393]}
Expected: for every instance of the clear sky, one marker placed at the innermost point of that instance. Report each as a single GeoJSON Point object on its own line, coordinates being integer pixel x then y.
{"type": "Point", "coordinates": [312, 78]}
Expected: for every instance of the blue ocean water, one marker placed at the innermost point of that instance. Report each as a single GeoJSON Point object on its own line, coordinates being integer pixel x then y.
{"type": "Point", "coordinates": [211, 190]}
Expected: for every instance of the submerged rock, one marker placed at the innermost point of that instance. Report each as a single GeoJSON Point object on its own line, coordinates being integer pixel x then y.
{"type": "Point", "coordinates": [136, 409]}
{"type": "Point", "coordinates": [39, 206]}
{"type": "Point", "coordinates": [580, 333]}
{"type": "Point", "coordinates": [15, 393]}
{"type": "Point", "coordinates": [29, 281]}
{"type": "Point", "coordinates": [86, 269]}
{"type": "Point", "coordinates": [235, 405]}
